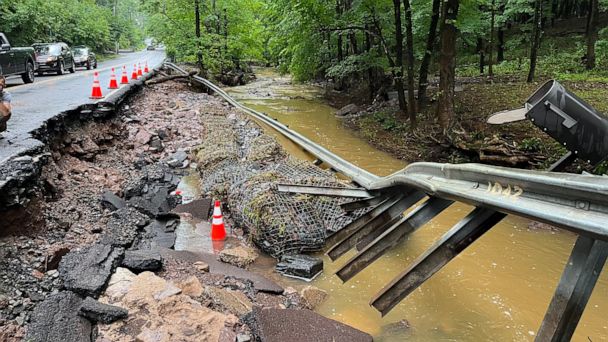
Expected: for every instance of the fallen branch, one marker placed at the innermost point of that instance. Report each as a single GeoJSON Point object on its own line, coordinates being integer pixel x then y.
{"type": "Point", "coordinates": [169, 77]}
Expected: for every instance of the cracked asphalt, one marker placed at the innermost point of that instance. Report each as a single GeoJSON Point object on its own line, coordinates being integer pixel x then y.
{"type": "Point", "coordinates": [50, 95]}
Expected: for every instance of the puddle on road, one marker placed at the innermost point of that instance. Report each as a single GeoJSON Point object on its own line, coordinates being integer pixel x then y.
{"type": "Point", "coordinates": [498, 289]}
{"type": "Point", "coordinates": [192, 234]}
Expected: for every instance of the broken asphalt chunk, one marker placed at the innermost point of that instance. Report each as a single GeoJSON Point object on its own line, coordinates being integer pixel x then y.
{"type": "Point", "coordinates": [112, 202]}
{"type": "Point", "coordinates": [88, 270]}
{"type": "Point", "coordinates": [300, 266]}
{"type": "Point", "coordinates": [103, 313]}
{"type": "Point", "coordinates": [56, 319]}
{"type": "Point", "coordinates": [142, 260]}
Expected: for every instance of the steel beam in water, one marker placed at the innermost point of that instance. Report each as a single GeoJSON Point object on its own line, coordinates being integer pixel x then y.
{"type": "Point", "coordinates": [459, 237]}
{"type": "Point", "coordinates": [575, 286]}
{"type": "Point", "coordinates": [393, 236]}
{"type": "Point", "coordinates": [364, 203]}
{"type": "Point", "coordinates": [378, 217]}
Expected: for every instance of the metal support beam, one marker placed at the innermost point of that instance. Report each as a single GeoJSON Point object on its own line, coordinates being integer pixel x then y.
{"type": "Point", "coordinates": [324, 191]}
{"type": "Point", "coordinates": [575, 286]}
{"type": "Point", "coordinates": [364, 203]}
{"type": "Point", "coordinates": [376, 221]}
{"type": "Point", "coordinates": [393, 236]}
{"type": "Point", "coordinates": [459, 237]}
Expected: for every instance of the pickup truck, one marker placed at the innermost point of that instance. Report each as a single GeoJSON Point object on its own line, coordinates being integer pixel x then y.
{"type": "Point", "coordinates": [17, 60]}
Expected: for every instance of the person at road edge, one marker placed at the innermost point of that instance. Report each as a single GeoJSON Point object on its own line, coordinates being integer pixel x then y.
{"type": "Point", "coordinates": [5, 105]}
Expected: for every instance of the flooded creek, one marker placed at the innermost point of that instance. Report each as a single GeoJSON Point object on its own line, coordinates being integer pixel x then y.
{"type": "Point", "coordinates": [497, 289]}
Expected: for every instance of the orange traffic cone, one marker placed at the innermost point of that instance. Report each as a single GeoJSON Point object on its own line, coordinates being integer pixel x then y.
{"type": "Point", "coordinates": [146, 70]}
{"type": "Point", "coordinates": [139, 73]}
{"type": "Point", "coordinates": [218, 232]}
{"type": "Point", "coordinates": [96, 92]}
{"type": "Point", "coordinates": [113, 83]}
{"type": "Point", "coordinates": [134, 74]}
{"type": "Point", "coordinates": [125, 78]}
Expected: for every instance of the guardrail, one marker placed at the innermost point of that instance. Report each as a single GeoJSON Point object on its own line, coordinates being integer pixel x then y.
{"type": "Point", "coordinates": [575, 202]}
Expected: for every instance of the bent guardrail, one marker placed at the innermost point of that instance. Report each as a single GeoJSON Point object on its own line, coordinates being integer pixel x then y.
{"type": "Point", "coordinates": [575, 202]}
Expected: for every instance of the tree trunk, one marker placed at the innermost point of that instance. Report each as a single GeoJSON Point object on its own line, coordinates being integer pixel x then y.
{"type": "Point", "coordinates": [592, 33]}
{"type": "Point", "coordinates": [501, 46]}
{"type": "Point", "coordinates": [491, 54]}
{"type": "Point", "coordinates": [482, 56]}
{"type": "Point", "coordinates": [399, 57]}
{"type": "Point", "coordinates": [370, 72]}
{"type": "Point", "coordinates": [428, 53]}
{"type": "Point", "coordinates": [447, 64]}
{"type": "Point", "coordinates": [535, 39]}
{"type": "Point", "coordinates": [199, 51]}
{"type": "Point", "coordinates": [338, 14]}
{"type": "Point", "coordinates": [411, 99]}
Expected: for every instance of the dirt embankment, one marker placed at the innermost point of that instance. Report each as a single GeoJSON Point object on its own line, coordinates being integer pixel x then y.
{"type": "Point", "coordinates": [97, 263]}
{"type": "Point", "coordinates": [518, 144]}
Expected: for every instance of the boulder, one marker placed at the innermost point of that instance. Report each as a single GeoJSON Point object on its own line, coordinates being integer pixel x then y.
{"type": "Point", "coordinates": [56, 319]}
{"type": "Point", "coordinates": [295, 325]}
{"type": "Point", "coordinates": [348, 109]}
{"type": "Point", "coordinates": [234, 302]}
{"type": "Point", "coordinates": [119, 283]}
{"type": "Point", "coordinates": [240, 256]}
{"type": "Point", "coordinates": [191, 287]}
{"type": "Point", "coordinates": [300, 266]}
{"type": "Point", "coordinates": [103, 313]}
{"type": "Point", "coordinates": [142, 260]}
{"type": "Point", "coordinates": [312, 296]}
{"type": "Point", "coordinates": [88, 270]}
{"type": "Point", "coordinates": [155, 315]}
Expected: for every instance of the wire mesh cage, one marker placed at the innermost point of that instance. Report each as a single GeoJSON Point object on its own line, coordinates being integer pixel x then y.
{"type": "Point", "coordinates": [245, 171]}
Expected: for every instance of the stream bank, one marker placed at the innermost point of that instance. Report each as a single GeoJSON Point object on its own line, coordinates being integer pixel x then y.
{"type": "Point", "coordinates": [471, 139]}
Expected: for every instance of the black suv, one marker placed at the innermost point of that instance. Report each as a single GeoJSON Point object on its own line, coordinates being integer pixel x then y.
{"type": "Point", "coordinates": [55, 57]}
{"type": "Point", "coordinates": [83, 56]}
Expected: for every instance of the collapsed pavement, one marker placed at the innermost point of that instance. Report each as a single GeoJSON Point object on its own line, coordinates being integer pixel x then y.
{"type": "Point", "coordinates": [106, 222]}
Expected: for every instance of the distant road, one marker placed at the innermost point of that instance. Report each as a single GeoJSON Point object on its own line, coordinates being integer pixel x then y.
{"type": "Point", "coordinates": [50, 95]}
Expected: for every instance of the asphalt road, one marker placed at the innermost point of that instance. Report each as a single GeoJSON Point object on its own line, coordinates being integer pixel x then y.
{"type": "Point", "coordinates": [51, 94]}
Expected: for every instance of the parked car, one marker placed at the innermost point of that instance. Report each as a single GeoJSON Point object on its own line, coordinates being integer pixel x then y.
{"type": "Point", "coordinates": [17, 60]}
{"type": "Point", "coordinates": [56, 57]}
{"type": "Point", "coordinates": [84, 57]}
{"type": "Point", "coordinates": [150, 48]}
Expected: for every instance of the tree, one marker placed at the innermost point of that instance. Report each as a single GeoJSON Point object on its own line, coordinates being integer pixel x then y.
{"type": "Point", "coordinates": [411, 100]}
{"type": "Point", "coordinates": [428, 53]}
{"type": "Point", "coordinates": [538, 18]}
{"type": "Point", "coordinates": [447, 63]}
{"type": "Point", "coordinates": [491, 43]}
{"type": "Point", "coordinates": [592, 33]}
{"type": "Point", "coordinates": [197, 25]}
{"type": "Point", "coordinates": [399, 56]}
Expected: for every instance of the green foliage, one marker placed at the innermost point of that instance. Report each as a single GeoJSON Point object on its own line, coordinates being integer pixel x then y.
{"type": "Point", "coordinates": [531, 144]}
{"type": "Point", "coordinates": [75, 22]}
{"type": "Point", "coordinates": [231, 30]}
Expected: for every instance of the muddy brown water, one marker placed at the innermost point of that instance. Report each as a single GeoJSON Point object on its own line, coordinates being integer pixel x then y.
{"type": "Point", "coordinates": [498, 289]}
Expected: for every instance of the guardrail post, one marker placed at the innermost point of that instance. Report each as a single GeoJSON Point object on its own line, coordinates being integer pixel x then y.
{"type": "Point", "coordinates": [575, 286]}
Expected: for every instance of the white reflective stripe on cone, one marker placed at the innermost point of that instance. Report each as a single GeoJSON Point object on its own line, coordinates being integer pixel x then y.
{"type": "Point", "coordinates": [218, 220]}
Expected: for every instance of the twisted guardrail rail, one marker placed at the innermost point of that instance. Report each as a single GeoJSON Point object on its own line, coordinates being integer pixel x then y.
{"type": "Point", "coordinates": [578, 203]}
